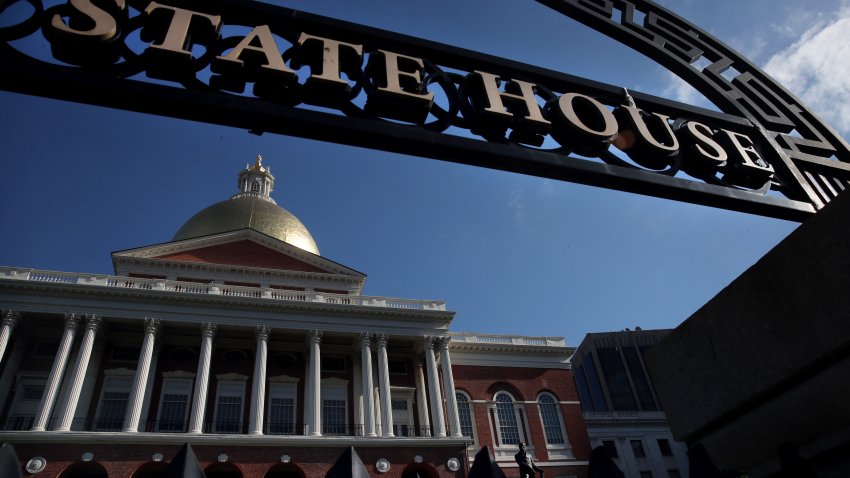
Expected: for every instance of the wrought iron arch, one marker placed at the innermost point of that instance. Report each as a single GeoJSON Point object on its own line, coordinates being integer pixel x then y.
{"type": "Point", "coordinates": [803, 159]}
{"type": "Point", "coordinates": [818, 159]}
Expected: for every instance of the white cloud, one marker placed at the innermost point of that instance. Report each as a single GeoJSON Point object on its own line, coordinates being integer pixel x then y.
{"type": "Point", "coordinates": [817, 68]}
{"type": "Point", "coordinates": [679, 90]}
{"type": "Point", "coordinates": [516, 204]}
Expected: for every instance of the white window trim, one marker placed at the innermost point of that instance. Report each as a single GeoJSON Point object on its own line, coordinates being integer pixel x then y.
{"type": "Point", "coordinates": [177, 378]}
{"type": "Point", "coordinates": [123, 373]}
{"type": "Point", "coordinates": [474, 445]}
{"type": "Point", "coordinates": [506, 452]}
{"type": "Point", "coordinates": [283, 383]}
{"type": "Point", "coordinates": [555, 451]}
{"type": "Point", "coordinates": [405, 393]}
{"type": "Point", "coordinates": [233, 379]}
{"type": "Point", "coordinates": [334, 383]}
{"type": "Point", "coordinates": [29, 378]}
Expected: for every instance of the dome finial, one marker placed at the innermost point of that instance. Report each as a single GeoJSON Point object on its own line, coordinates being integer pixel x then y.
{"type": "Point", "coordinates": [258, 165]}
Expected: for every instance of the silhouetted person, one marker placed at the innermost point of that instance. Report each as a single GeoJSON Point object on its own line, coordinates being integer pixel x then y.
{"type": "Point", "coordinates": [526, 464]}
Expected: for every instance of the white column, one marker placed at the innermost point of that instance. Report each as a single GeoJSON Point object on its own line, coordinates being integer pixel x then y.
{"type": "Point", "coordinates": [10, 318]}
{"type": "Point", "coordinates": [366, 366]}
{"type": "Point", "coordinates": [439, 429]}
{"type": "Point", "coordinates": [314, 425]}
{"type": "Point", "coordinates": [79, 375]}
{"type": "Point", "coordinates": [202, 379]}
{"type": "Point", "coordinates": [51, 389]}
{"type": "Point", "coordinates": [140, 381]}
{"type": "Point", "coordinates": [422, 401]}
{"type": "Point", "coordinates": [384, 386]}
{"type": "Point", "coordinates": [449, 388]}
{"type": "Point", "coordinates": [258, 397]}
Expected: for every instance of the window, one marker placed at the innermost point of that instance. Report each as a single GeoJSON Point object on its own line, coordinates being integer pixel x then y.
{"type": "Point", "coordinates": [637, 449]}
{"type": "Point", "coordinates": [550, 415]}
{"type": "Point", "coordinates": [46, 349]}
{"type": "Point", "coordinates": [616, 378]}
{"type": "Point", "coordinates": [228, 407]}
{"type": "Point", "coordinates": [397, 366]}
{"type": "Point", "coordinates": [125, 353]}
{"type": "Point", "coordinates": [646, 474]}
{"type": "Point", "coordinates": [611, 447]}
{"type": "Point", "coordinates": [281, 409]}
{"type": "Point", "coordinates": [507, 421]}
{"type": "Point", "coordinates": [27, 398]}
{"type": "Point", "coordinates": [673, 474]}
{"type": "Point", "coordinates": [639, 379]}
{"type": "Point", "coordinates": [113, 403]}
{"type": "Point", "coordinates": [255, 187]}
{"type": "Point", "coordinates": [174, 405]}
{"type": "Point", "coordinates": [464, 410]}
{"type": "Point", "coordinates": [401, 417]}
{"type": "Point", "coordinates": [333, 364]}
{"type": "Point", "coordinates": [664, 447]}
{"type": "Point", "coordinates": [334, 410]}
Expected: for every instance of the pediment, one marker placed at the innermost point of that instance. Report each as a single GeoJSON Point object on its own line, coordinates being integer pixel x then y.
{"type": "Point", "coordinates": [243, 253]}
{"type": "Point", "coordinates": [244, 248]}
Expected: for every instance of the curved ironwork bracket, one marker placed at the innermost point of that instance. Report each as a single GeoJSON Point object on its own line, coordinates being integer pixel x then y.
{"type": "Point", "coordinates": [814, 158]}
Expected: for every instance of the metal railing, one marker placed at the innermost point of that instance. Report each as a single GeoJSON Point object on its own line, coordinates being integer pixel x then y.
{"type": "Point", "coordinates": [104, 280]}
{"type": "Point", "coordinates": [22, 423]}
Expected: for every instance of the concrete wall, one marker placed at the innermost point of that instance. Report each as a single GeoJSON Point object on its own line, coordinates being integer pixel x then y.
{"type": "Point", "coordinates": [767, 360]}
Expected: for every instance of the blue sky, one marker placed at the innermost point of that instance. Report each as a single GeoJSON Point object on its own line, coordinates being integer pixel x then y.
{"type": "Point", "coordinates": [509, 253]}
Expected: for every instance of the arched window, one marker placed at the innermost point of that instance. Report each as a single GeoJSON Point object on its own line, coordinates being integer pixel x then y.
{"type": "Point", "coordinates": [557, 444]}
{"type": "Point", "coordinates": [507, 419]}
{"type": "Point", "coordinates": [255, 187]}
{"type": "Point", "coordinates": [464, 411]}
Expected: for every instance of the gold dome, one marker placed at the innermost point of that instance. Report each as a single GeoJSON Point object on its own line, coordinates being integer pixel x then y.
{"type": "Point", "coordinates": [249, 212]}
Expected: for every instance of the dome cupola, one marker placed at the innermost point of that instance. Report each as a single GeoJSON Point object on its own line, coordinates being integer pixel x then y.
{"type": "Point", "coordinates": [252, 207]}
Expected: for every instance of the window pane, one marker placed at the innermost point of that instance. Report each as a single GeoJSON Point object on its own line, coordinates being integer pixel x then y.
{"type": "Point", "coordinates": [333, 411]}
{"type": "Point", "coordinates": [637, 448]}
{"type": "Point", "coordinates": [282, 409]}
{"type": "Point", "coordinates": [228, 414]}
{"type": "Point", "coordinates": [639, 378]}
{"type": "Point", "coordinates": [593, 379]}
{"type": "Point", "coordinates": [172, 410]}
{"type": "Point", "coordinates": [664, 447]}
{"type": "Point", "coordinates": [611, 447]}
{"type": "Point", "coordinates": [551, 420]}
{"type": "Point", "coordinates": [583, 391]}
{"type": "Point", "coordinates": [615, 377]}
{"type": "Point", "coordinates": [113, 403]}
{"type": "Point", "coordinates": [673, 474]}
{"type": "Point", "coordinates": [465, 414]}
{"type": "Point", "coordinates": [508, 429]}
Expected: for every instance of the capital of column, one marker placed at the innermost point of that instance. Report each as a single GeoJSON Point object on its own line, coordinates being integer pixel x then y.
{"type": "Point", "coordinates": [92, 322]}
{"type": "Point", "coordinates": [152, 325]}
{"type": "Point", "coordinates": [428, 341]}
{"type": "Point", "coordinates": [315, 336]}
{"type": "Point", "coordinates": [208, 329]}
{"type": "Point", "coordinates": [10, 317]}
{"type": "Point", "coordinates": [71, 320]}
{"type": "Point", "coordinates": [263, 332]}
{"type": "Point", "coordinates": [443, 341]}
{"type": "Point", "coordinates": [382, 340]}
{"type": "Point", "coordinates": [366, 339]}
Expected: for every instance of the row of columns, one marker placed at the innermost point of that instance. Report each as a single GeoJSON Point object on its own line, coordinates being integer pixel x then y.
{"type": "Point", "coordinates": [313, 406]}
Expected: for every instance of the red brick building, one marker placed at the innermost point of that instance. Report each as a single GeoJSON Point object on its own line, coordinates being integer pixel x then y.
{"type": "Point", "coordinates": [238, 337]}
